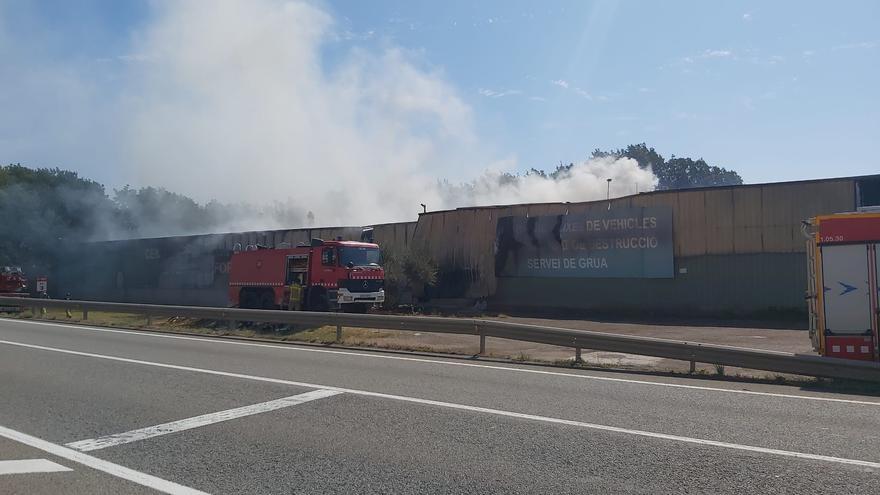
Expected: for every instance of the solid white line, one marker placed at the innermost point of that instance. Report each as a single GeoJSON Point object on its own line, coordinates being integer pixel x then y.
{"type": "Point", "coordinates": [123, 472]}
{"type": "Point", "coordinates": [455, 363]}
{"type": "Point", "coordinates": [197, 421]}
{"type": "Point", "coordinates": [464, 407]}
{"type": "Point", "coordinates": [25, 466]}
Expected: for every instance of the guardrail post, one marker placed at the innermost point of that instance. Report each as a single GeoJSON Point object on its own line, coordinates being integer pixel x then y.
{"type": "Point", "coordinates": [693, 367]}
{"type": "Point", "coordinates": [149, 320]}
{"type": "Point", "coordinates": [482, 345]}
{"type": "Point", "coordinates": [85, 314]}
{"type": "Point", "coordinates": [577, 355]}
{"type": "Point", "coordinates": [338, 332]}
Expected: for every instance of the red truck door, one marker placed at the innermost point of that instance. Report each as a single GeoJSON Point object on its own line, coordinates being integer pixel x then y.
{"type": "Point", "coordinates": [326, 275]}
{"type": "Point", "coordinates": [875, 304]}
{"type": "Point", "coordinates": [849, 319]}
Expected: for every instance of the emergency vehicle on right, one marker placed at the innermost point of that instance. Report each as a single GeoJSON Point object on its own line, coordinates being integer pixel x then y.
{"type": "Point", "coordinates": [843, 258]}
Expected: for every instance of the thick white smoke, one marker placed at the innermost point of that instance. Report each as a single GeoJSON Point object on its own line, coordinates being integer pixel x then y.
{"type": "Point", "coordinates": [233, 101]}
{"type": "Point", "coordinates": [584, 181]}
{"type": "Point", "coordinates": [239, 102]}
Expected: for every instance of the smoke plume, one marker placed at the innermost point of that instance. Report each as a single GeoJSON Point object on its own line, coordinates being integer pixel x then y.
{"type": "Point", "coordinates": [580, 182]}
{"type": "Point", "coordinates": [234, 102]}
{"type": "Point", "coordinates": [238, 102]}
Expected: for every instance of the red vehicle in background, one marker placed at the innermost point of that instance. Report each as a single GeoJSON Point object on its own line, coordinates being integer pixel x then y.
{"type": "Point", "coordinates": [843, 254]}
{"type": "Point", "coordinates": [13, 282]}
{"type": "Point", "coordinates": [323, 276]}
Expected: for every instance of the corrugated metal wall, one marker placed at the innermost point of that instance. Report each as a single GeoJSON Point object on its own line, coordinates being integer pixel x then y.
{"type": "Point", "coordinates": [730, 238]}
{"type": "Point", "coordinates": [741, 247]}
{"type": "Point", "coordinates": [746, 284]}
{"type": "Point", "coordinates": [189, 270]}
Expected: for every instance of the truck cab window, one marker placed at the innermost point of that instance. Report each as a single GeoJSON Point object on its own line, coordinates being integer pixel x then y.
{"type": "Point", "coordinates": [328, 257]}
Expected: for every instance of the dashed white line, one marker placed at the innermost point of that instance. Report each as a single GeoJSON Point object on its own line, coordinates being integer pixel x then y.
{"type": "Point", "coordinates": [27, 466]}
{"type": "Point", "coordinates": [197, 421]}
{"type": "Point", "coordinates": [295, 348]}
{"type": "Point", "coordinates": [110, 468]}
{"type": "Point", "coordinates": [464, 407]}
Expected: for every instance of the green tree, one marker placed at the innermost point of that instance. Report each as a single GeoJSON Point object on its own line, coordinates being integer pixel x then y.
{"type": "Point", "coordinates": [675, 173]}
{"type": "Point", "coordinates": [407, 273]}
{"type": "Point", "coordinates": [153, 211]}
{"type": "Point", "coordinates": [41, 209]}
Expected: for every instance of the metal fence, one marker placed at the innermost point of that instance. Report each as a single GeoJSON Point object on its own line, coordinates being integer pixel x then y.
{"type": "Point", "coordinates": [781, 362]}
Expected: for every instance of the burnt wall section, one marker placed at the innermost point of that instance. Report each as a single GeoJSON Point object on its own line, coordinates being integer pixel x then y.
{"type": "Point", "coordinates": [735, 242]}
{"type": "Point", "coordinates": [736, 249]}
{"type": "Point", "coordinates": [184, 270]}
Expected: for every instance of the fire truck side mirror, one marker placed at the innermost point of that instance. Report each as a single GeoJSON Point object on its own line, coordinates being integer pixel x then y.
{"type": "Point", "coordinates": [349, 265]}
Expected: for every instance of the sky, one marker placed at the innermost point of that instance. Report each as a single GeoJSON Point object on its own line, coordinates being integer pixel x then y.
{"type": "Point", "coordinates": [776, 90]}
{"type": "Point", "coordinates": [200, 96]}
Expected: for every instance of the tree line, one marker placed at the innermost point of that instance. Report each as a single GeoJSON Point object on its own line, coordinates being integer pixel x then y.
{"type": "Point", "coordinates": [44, 208]}
{"type": "Point", "coordinates": [674, 173]}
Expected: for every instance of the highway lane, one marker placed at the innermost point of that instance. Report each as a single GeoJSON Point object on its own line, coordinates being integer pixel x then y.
{"type": "Point", "coordinates": [587, 430]}
{"type": "Point", "coordinates": [70, 478]}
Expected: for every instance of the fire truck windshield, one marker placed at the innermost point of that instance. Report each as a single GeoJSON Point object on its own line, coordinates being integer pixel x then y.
{"type": "Point", "coordinates": [359, 256]}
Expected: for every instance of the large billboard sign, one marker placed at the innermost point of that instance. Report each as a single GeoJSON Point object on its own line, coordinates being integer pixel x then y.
{"type": "Point", "coordinates": [615, 243]}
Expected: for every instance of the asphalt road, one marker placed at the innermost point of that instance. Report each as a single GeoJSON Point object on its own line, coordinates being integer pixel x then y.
{"type": "Point", "coordinates": [116, 411]}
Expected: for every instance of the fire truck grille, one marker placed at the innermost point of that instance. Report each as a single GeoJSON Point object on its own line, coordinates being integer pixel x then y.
{"type": "Point", "coordinates": [368, 285]}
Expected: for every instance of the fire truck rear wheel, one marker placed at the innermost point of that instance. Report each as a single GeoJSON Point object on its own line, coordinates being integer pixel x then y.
{"type": "Point", "coordinates": [267, 300]}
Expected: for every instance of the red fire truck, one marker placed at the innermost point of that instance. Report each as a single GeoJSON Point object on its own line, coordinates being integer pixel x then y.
{"type": "Point", "coordinates": [843, 253]}
{"type": "Point", "coordinates": [322, 276]}
{"type": "Point", "coordinates": [12, 282]}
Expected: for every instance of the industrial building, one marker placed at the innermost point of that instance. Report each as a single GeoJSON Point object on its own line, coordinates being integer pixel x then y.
{"type": "Point", "coordinates": [731, 250]}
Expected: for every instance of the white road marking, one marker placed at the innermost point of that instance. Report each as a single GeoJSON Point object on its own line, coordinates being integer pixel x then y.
{"type": "Point", "coordinates": [26, 466]}
{"type": "Point", "coordinates": [123, 472]}
{"type": "Point", "coordinates": [197, 421]}
{"type": "Point", "coordinates": [293, 347]}
{"type": "Point", "coordinates": [464, 407]}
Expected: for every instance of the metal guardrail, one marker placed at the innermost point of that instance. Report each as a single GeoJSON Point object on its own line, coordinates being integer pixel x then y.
{"type": "Point", "coordinates": [781, 362]}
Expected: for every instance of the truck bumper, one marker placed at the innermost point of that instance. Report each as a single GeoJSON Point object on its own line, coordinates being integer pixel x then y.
{"type": "Point", "coordinates": [344, 296]}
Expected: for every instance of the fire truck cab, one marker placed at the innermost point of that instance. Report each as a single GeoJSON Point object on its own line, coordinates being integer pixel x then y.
{"type": "Point", "coordinates": [843, 254]}
{"type": "Point", "coordinates": [12, 282]}
{"type": "Point", "coordinates": [325, 275]}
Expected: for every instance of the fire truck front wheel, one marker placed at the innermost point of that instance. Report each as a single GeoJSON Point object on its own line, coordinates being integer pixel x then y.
{"type": "Point", "coordinates": [357, 308]}
{"type": "Point", "coordinates": [318, 301]}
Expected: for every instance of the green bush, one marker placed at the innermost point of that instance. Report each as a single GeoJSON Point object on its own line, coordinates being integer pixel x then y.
{"type": "Point", "coordinates": [407, 273]}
